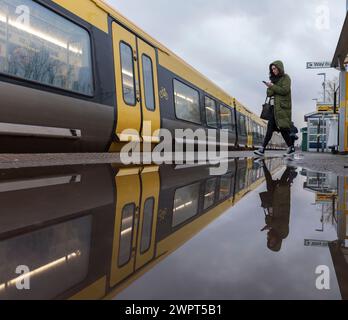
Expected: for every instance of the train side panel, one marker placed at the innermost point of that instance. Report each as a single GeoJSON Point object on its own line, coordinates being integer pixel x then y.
{"type": "Point", "coordinates": [56, 95]}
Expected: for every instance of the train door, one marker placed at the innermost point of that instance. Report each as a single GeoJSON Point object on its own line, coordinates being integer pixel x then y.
{"type": "Point", "coordinates": [149, 92]}
{"type": "Point", "coordinates": [136, 85]}
{"type": "Point", "coordinates": [249, 132]}
{"type": "Point", "coordinates": [150, 182]}
{"type": "Point", "coordinates": [128, 189]}
{"type": "Point", "coordinates": [241, 129]}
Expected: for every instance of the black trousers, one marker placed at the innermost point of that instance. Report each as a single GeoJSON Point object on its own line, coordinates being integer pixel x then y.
{"type": "Point", "coordinates": [287, 178]}
{"type": "Point", "coordinates": [271, 128]}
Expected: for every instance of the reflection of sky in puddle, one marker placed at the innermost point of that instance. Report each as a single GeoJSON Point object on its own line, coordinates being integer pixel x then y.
{"type": "Point", "coordinates": [230, 259]}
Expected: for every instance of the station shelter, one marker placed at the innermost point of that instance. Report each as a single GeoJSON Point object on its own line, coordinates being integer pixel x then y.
{"type": "Point", "coordinates": [322, 128]}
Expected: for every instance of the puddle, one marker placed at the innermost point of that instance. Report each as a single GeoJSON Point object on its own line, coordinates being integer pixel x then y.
{"type": "Point", "coordinates": [261, 231]}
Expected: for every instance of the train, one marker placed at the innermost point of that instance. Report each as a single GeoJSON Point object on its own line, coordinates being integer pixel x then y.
{"type": "Point", "coordinates": [74, 75]}
{"type": "Point", "coordinates": [115, 224]}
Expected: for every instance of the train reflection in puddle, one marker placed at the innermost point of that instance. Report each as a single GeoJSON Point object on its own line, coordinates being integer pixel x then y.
{"type": "Point", "coordinates": [87, 232]}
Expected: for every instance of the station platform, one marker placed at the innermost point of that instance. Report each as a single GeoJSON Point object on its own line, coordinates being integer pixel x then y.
{"type": "Point", "coordinates": [319, 162]}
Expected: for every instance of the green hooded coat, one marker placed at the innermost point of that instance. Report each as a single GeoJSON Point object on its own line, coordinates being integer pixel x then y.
{"type": "Point", "coordinates": [281, 91]}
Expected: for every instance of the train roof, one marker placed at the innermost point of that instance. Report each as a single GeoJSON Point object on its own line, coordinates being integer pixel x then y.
{"type": "Point", "coordinates": [167, 58]}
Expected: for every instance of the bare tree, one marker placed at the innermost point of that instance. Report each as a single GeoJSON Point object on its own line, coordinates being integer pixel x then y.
{"type": "Point", "coordinates": [331, 86]}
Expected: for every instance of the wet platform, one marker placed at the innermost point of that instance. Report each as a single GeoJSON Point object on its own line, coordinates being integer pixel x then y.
{"type": "Point", "coordinates": [106, 231]}
{"type": "Point", "coordinates": [315, 161]}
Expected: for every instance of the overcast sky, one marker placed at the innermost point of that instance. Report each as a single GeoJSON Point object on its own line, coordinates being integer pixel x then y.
{"type": "Point", "coordinates": [232, 42]}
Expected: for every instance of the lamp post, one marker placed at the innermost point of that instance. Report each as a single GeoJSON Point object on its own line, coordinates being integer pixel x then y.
{"type": "Point", "coordinates": [324, 84]}
{"type": "Point", "coordinates": [321, 119]}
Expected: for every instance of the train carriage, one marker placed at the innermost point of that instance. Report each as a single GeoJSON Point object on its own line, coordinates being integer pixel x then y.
{"type": "Point", "coordinates": [117, 224]}
{"type": "Point", "coordinates": [74, 75]}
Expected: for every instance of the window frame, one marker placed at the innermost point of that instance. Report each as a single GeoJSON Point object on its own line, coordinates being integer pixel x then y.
{"type": "Point", "coordinates": [216, 182]}
{"type": "Point", "coordinates": [132, 235]}
{"type": "Point", "coordinates": [254, 130]}
{"type": "Point", "coordinates": [153, 82]}
{"type": "Point", "coordinates": [198, 203]}
{"type": "Point", "coordinates": [216, 112]}
{"type": "Point", "coordinates": [134, 75]}
{"type": "Point", "coordinates": [244, 132]}
{"type": "Point", "coordinates": [199, 102]}
{"type": "Point", "coordinates": [142, 252]}
{"type": "Point", "coordinates": [40, 85]}
{"type": "Point", "coordinates": [232, 125]}
{"type": "Point", "coordinates": [230, 194]}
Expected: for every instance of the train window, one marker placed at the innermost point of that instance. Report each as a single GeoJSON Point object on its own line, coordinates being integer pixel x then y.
{"type": "Point", "coordinates": [128, 79]}
{"type": "Point", "coordinates": [148, 83]}
{"type": "Point", "coordinates": [210, 112]}
{"type": "Point", "coordinates": [209, 194]}
{"type": "Point", "coordinates": [226, 118]}
{"type": "Point", "coordinates": [241, 179]}
{"type": "Point", "coordinates": [186, 103]}
{"type": "Point", "coordinates": [253, 131]}
{"type": "Point", "coordinates": [225, 186]}
{"type": "Point", "coordinates": [242, 125]}
{"type": "Point", "coordinates": [185, 204]}
{"type": "Point", "coordinates": [44, 47]}
{"type": "Point", "coordinates": [126, 234]}
{"type": "Point", "coordinates": [146, 231]}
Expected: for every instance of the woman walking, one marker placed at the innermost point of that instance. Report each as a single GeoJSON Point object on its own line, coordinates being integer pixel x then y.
{"type": "Point", "coordinates": [279, 91]}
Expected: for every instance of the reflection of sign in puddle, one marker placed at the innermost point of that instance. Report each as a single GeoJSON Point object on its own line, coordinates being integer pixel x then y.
{"type": "Point", "coordinates": [316, 243]}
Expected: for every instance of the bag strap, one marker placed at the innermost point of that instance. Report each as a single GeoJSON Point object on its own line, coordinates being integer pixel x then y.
{"type": "Point", "coordinates": [267, 98]}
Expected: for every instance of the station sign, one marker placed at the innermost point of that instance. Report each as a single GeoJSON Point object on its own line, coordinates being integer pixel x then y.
{"type": "Point", "coordinates": [328, 108]}
{"type": "Point", "coordinates": [316, 243]}
{"type": "Point", "coordinates": [319, 65]}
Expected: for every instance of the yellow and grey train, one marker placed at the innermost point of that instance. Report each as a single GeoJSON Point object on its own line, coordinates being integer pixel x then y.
{"type": "Point", "coordinates": [114, 225]}
{"type": "Point", "coordinates": [75, 74]}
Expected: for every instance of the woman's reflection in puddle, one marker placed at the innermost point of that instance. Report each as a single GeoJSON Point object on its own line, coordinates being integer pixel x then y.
{"type": "Point", "coordinates": [276, 205]}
